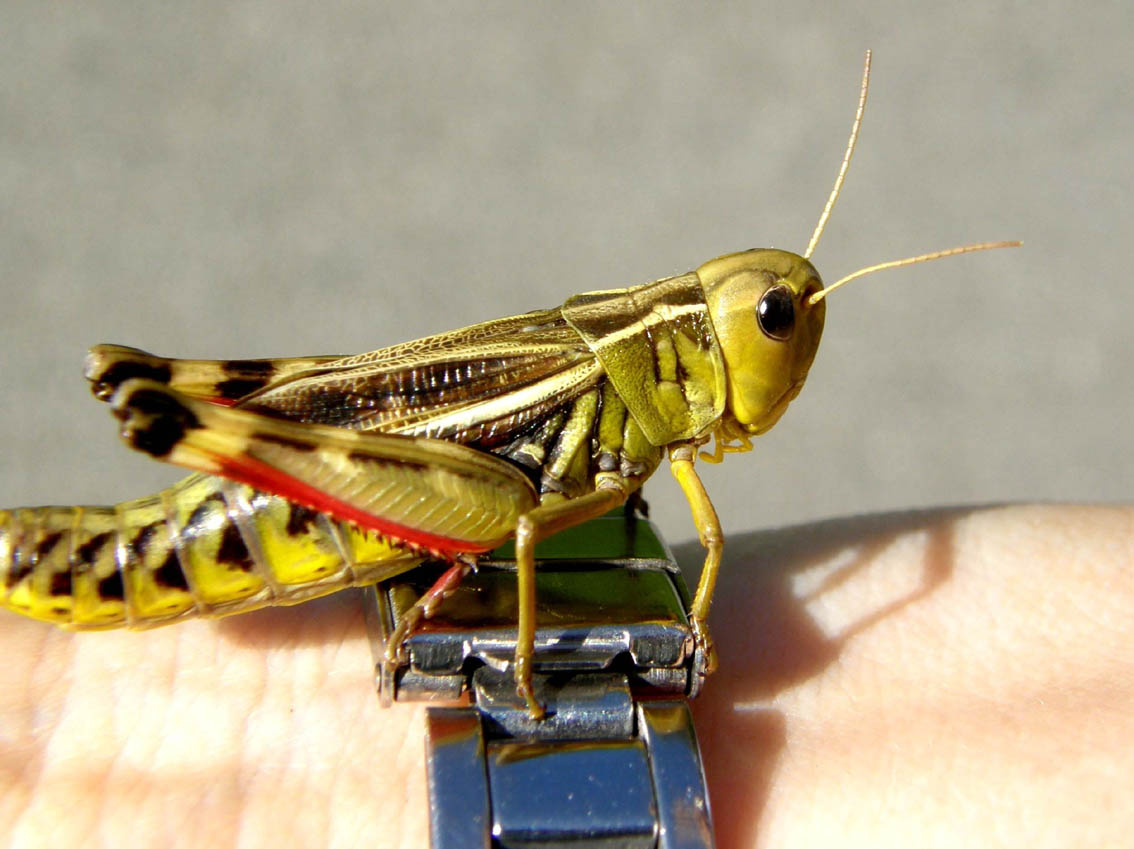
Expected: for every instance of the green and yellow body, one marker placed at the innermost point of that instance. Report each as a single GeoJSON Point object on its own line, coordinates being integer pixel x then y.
{"type": "Point", "coordinates": [311, 464]}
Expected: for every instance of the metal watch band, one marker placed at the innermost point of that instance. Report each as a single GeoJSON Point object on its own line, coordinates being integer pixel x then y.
{"type": "Point", "coordinates": [616, 763]}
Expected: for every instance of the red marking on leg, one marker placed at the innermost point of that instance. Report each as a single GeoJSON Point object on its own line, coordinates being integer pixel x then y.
{"type": "Point", "coordinates": [442, 588]}
{"type": "Point", "coordinates": [262, 476]}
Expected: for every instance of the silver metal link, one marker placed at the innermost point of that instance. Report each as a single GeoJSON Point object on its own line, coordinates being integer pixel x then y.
{"type": "Point", "coordinates": [459, 810]}
{"type": "Point", "coordinates": [572, 794]}
{"type": "Point", "coordinates": [605, 769]}
{"type": "Point", "coordinates": [584, 706]}
{"type": "Point", "coordinates": [666, 728]}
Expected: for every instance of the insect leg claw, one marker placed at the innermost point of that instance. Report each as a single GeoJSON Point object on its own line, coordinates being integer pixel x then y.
{"type": "Point", "coordinates": [526, 691]}
{"type": "Point", "coordinates": [422, 609]}
{"type": "Point", "coordinates": [703, 641]}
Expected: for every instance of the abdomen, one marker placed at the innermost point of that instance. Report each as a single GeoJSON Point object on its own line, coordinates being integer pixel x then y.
{"type": "Point", "coordinates": [204, 546]}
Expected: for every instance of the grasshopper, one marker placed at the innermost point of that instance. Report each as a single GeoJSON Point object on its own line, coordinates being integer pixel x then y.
{"type": "Point", "coordinates": [319, 473]}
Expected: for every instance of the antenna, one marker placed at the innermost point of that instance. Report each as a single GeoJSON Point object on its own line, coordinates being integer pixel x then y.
{"type": "Point", "coordinates": [913, 260]}
{"type": "Point", "coordinates": [846, 162]}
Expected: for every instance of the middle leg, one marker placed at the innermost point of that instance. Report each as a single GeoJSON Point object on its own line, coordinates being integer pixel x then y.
{"type": "Point", "coordinates": [611, 491]}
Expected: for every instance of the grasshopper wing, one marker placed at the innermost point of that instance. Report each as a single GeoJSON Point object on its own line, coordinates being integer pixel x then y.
{"type": "Point", "coordinates": [425, 493]}
{"type": "Point", "coordinates": [218, 381]}
{"type": "Point", "coordinates": [484, 384]}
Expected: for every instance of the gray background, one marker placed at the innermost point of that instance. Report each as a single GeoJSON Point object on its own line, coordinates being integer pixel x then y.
{"type": "Point", "coordinates": [268, 179]}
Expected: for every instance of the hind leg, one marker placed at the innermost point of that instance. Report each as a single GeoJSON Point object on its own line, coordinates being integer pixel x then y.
{"type": "Point", "coordinates": [423, 609]}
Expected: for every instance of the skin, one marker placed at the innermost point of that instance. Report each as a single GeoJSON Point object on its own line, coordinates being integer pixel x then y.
{"type": "Point", "coordinates": [943, 678]}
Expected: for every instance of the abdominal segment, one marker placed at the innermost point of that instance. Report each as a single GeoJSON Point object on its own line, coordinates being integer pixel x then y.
{"type": "Point", "coordinates": [203, 547]}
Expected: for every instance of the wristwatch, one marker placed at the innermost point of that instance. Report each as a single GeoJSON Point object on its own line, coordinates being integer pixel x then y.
{"type": "Point", "coordinates": [616, 761]}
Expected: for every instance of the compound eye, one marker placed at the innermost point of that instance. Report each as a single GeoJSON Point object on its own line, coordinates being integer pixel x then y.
{"type": "Point", "coordinates": [776, 313]}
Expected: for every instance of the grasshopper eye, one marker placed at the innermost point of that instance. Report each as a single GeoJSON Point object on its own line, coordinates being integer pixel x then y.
{"type": "Point", "coordinates": [776, 313]}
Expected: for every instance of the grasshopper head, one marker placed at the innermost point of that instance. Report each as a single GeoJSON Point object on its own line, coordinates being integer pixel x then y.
{"type": "Point", "coordinates": [768, 329]}
{"type": "Point", "coordinates": [767, 307]}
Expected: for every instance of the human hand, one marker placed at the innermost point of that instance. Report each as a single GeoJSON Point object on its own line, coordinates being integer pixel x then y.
{"type": "Point", "coordinates": [949, 678]}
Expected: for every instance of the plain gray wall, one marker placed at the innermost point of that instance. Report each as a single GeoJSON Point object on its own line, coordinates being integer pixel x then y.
{"type": "Point", "coordinates": [268, 179]}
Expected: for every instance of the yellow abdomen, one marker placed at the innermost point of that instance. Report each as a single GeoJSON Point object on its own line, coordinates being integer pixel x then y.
{"type": "Point", "coordinates": [203, 547]}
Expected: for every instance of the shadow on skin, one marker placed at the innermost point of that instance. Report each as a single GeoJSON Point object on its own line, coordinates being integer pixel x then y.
{"type": "Point", "coordinates": [311, 623]}
{"type": "Point", "coordinates": [768, 640]}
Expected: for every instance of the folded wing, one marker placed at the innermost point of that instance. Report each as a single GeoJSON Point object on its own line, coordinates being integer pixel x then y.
{"type": "Point", "coordinates": [428, 494]}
